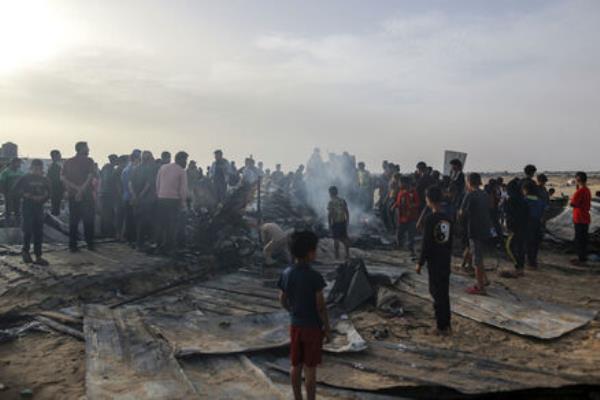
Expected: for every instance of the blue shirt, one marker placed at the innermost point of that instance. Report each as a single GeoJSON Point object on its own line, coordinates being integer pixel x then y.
{"type": "Point", "coordinates": [301, 283]}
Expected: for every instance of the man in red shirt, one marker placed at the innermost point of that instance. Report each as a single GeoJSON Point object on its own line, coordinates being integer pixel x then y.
{"type": "Point", "coordinates": [407, 204]}
{"type": "Point", "coordinates": [581, 203]}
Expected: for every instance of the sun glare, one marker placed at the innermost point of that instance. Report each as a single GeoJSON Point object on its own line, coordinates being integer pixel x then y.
{"type": "Point", "coordinates": [30, 32]}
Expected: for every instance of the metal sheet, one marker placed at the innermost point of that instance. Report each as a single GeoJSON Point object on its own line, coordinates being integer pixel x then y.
{"type": "Point", "coordinates": [407, 366]}
{"type": "Point", "coordinates": [125, 361]}
{"type": "Point", "coordinates": [229, 377]}
{"type": "Point", "coordinates": [196, 334]}
{"type": "Point", "coordinates": [505, 309]}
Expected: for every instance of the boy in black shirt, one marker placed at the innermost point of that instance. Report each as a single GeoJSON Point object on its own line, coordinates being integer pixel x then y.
{"type": "Point", "coordinates": [34, 188]}
{"type": "Point", "coordinates": [301, 293]}
{"type": "Point", "coordinates": [437, 253]}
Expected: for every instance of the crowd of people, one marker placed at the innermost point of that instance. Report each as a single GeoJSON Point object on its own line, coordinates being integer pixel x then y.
{"type": "Point", "coordinates": [140, 200]}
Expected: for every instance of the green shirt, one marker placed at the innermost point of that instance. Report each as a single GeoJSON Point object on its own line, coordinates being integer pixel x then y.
{"type": "Point", "coordinates": [8, 178]}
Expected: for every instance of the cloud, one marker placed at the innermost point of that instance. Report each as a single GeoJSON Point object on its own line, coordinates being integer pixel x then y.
{"type": "Point", "coordinates": [404, 89]}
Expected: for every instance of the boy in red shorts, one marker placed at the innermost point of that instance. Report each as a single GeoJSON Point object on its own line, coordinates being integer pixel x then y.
{"type": "Point", "coordinates": [301, 293]}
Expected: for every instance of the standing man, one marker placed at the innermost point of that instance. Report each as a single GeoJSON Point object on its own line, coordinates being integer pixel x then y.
{"type": "Point", "coordinates": [35, 191]}
{"type": "Point", "coordinates": [365, 187]}
{"type": "Point", "coordinates": [130, 225]}
{"type": "Point", "coordinates": [219, 175]}
{"type": "Point", "coordinates": [57, 188]}
{"type": "Point", "coordinates": [457, 184]}
{"type": "Point", "coordinates": [108, 197]}
{"type": "Point", "coordinates": [8, 177]}
{"type": "Point", "coordinates": [581, 203]}
{"type": "Point", "coordinates": [142, 187]}
{"type": "Point", "coordinates": [77, 176]}
{"type": "Point", "coordinates": [171, 189]}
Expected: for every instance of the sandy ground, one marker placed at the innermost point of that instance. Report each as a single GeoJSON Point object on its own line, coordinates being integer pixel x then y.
{"type": "Point", "coordinates": [51, 365]}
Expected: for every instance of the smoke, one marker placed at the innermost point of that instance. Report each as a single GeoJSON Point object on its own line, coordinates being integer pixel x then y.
{"type": "Point", "coordinates": [340, 171]}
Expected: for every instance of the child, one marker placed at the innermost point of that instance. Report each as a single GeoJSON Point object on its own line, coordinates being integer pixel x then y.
{"type": "Point", "coordinates": [475, 210]}
{"type": "Point", "coordinates": [34, 188]}
{"type": "Point", "coordinates": [301, 293]}
{"type": "Point", "coordinates": [581, 203]}
{"type": "Point", "coordinates": [535, 212]}
{"type": "Point", "coordinates": [339, 217]}
{"type": "Point", "coordinates": [407, 204]}
{"type": "Point", "coordinates": [437, 253]}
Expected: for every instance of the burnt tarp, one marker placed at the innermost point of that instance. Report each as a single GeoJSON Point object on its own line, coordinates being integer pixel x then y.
{"type": "Point", "coordinates": [229, 377]}
{"type": "Point", "coordinates": [396, 366]}
{"type": "Point", "coordinates": [125, 360]}
{"type": "Point", "coordinates": [111, 274]}
{"type": "Point", "coordinates": [192, 333]}
{"type": "Point", "coordinates": [505, 309]}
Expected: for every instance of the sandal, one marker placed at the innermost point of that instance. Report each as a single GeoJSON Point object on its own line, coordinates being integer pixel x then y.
{"type": "Point", "coordinates": [475, 290]}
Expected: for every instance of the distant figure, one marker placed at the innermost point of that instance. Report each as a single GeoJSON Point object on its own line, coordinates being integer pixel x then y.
{"type": "Point", "coordinates": [165, 158]}
{"type": "Point", "coordinates": [277, 176]}
{"type": "Point", "coordinates": [436, 252]}
{"type": "Point", "coordinates": [301, 293]}
{"type": "Point", "coordinates": [275, 242]}
{"type": "Point", "coordinates": [339, 218]}
{"type": "Point", "coordinates": [517, 215]}
{"type": "Point", "coordinates": [219, 173]}
{"type": "Point", "coordinates": [407, 209]}
{"type": "Point", "coordinates": [475, 212]}
{"type": "Point", "coordinates": [57, 188]}
{"type": "Point", "coordinates": [34, 189]}
{"type": "Point", "coordinates": [171, 189]}
{"type": "Point", "coordinates": [129, 216]}
{"type": "Point", "coordinates": [457, 183]}
{"type": "Point", "coordinates": [530, 171]}
{"type": "Point", "coordinates": [77, 175]}
{"type": "Point", "coordinates": [143, 197]}
{"type": "Point", "coordinates": [535, 213]}
{"type": "Point", "coordinates": [193, 178]}
{"type": "Point", "coordinates": [581, 203]}
{"type": "Point", "coordinates": [108, 196]}
{"type": "Point", "coordinates": [8, 177]}
{"type": "Point", "coordinates": [365, 187]}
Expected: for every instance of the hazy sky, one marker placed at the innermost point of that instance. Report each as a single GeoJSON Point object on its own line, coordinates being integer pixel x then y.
{"type": "Point", "coordinates": [509, 82]}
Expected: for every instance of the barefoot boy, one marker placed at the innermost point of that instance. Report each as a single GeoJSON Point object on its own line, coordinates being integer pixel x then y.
{"type": "Point", "coordinates": [339, 218]}
{"type": "Point", "coordinates": [301, 293]}
{"type": "Point", "coordinates": [437, 253]}
{"type": "Point", "coordinates": [475, 211]}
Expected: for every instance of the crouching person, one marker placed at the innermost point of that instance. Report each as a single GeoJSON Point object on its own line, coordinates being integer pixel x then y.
{"type": "Point", "coordinates": [34, 189]}
{"type": "Point", "coordinates": [437, 253]}
{"type": "Point", "coordinates": [301, 293]}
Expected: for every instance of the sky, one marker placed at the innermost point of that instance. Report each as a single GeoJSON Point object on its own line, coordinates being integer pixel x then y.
{"type": "Point", "coordinates": [508, 82]}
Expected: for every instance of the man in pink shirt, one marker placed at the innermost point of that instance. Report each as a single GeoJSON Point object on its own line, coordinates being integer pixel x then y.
{"type": "Point", "coordinates": [172, 193]}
